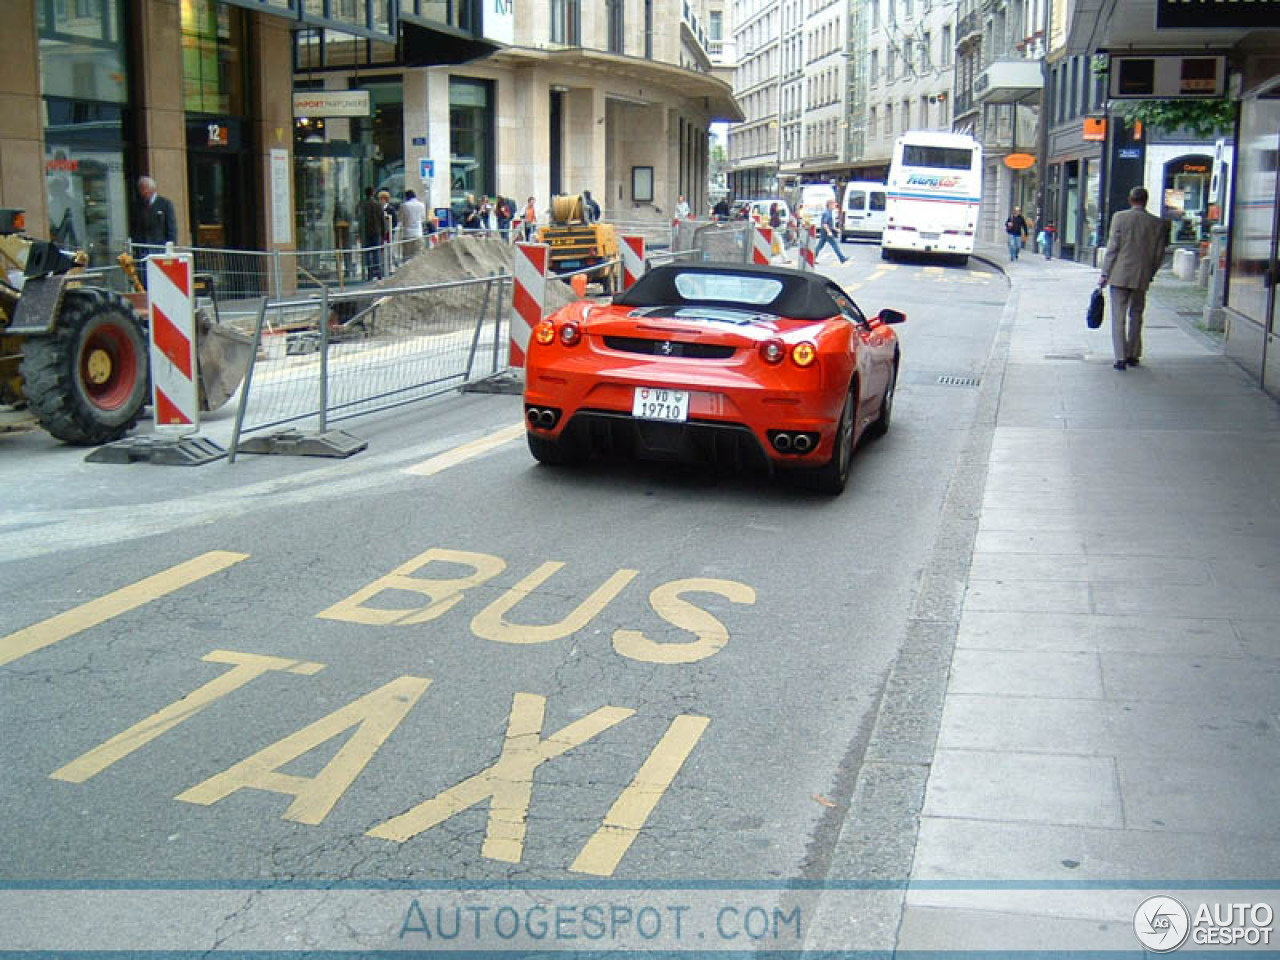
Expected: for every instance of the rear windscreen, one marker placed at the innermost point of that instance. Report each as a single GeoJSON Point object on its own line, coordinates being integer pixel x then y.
{"type": "Point", "coordinates": [941, 158]}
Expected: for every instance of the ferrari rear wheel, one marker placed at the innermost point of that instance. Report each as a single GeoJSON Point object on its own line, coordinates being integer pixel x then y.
{"type": "Point", "coordinates": [554, 453]}
{"type": "Point", "coordinates": [832, 475]}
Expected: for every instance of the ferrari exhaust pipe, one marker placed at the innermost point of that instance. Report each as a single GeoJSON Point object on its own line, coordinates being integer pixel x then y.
{"type": "Point", "coordinates": [547, 419]}
{"type": "Point", "coordinates": [782, 442]}
{"type": "Point", "coordinates": [533, 415]}
{"type": "Point", "coordinates": [802, 443]}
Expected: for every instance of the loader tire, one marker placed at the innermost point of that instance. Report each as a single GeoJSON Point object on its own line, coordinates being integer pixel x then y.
{"type": "Point", "coordinates": [87, 381]}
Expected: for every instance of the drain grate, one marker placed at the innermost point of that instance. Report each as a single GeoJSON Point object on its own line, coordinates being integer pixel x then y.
{"type": "Point", "coordinates": [952, 381]}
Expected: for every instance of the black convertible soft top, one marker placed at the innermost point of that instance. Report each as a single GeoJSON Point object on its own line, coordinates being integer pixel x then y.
{"type": "Point", "coordinates": [804, 296]}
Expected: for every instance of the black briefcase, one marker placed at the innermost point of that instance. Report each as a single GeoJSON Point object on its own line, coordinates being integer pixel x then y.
{"type": "Point", "coordinates": [1097, 304]}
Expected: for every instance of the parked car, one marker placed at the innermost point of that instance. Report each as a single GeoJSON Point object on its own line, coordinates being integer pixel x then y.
{"type": "Point", "coordinates": [732, 363]}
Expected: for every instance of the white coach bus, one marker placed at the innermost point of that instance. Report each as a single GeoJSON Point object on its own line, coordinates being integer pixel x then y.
{"type": "Point", "coordinates": [934, 195]}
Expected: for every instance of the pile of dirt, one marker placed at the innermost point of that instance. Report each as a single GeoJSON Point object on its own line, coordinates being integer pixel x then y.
{"type": "Point", "coordinates": [461, 258]}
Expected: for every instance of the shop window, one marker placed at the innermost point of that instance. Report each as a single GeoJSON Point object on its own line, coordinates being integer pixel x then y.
{"type": "Point", "coordinates": [82, 51]}
{"type": "Point", "coordinates": [87, 196]}
{"type": "Point", "coordinates": [213, 70]}
{"type": "Point", "coordinates": [471, 137]}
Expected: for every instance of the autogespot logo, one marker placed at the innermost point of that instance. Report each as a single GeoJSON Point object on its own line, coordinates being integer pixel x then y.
{"type": "Point", "coordinates": [1161, 924]}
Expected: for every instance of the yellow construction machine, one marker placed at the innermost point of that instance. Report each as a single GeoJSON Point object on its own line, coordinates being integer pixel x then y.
{"type": "Point", "coordinates": [73, 356]}
{"type": "Point", "coordinates": [577, 244]}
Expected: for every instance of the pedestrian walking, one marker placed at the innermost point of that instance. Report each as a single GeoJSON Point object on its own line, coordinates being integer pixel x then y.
{"type": "Point", "coordinates": [682, 208]}
{"type": "Point", "coordinates": [471, 214]}
{"type": "Point", "coordinates": [1017, 230]}
{"type": "Point", "coordinates": [413, 219]}
{"type": "Point", "coordinates": [370, 217]}
{"type": "Point", "coordinates": [721, 210]}
{"type": "Point", "coordinates": [530, 220]}
{"type": "Point", "coordinates": [828, 233]}
{"type": "Point", "coordinates": [1135, 251]}
{"type": "Point", "coordinates": [156, 221]}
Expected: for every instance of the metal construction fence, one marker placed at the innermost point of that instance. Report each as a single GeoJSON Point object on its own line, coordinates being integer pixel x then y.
{"type": "Point", "coordinates": [344, 354]}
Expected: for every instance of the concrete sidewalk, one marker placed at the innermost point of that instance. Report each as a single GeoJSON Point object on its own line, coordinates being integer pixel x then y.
{"type": "Point", "coordinates": [1112, 711]}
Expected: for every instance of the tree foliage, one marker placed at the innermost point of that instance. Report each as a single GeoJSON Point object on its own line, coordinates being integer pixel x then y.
{"type": "Point", "coordinates": [1205, 119]}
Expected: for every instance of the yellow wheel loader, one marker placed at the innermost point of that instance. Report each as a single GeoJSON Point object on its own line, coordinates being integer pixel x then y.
{"type": "Point", "coordinates": [75, 355]}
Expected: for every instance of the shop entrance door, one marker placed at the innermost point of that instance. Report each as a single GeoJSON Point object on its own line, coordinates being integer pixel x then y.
{"type": "Point", "coordinates": [222, 211]}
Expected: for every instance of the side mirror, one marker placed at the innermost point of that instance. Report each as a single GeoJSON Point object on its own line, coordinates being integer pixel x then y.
{"type": "Point", "coordinates": [891, 316]}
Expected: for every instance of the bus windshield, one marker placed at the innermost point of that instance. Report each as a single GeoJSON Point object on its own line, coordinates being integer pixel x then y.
{"type": "Point", "coordinates": [941, 158]}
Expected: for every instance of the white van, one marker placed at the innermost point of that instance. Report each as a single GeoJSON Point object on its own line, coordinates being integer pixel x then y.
{"type": "Point", "coordinates": [864, 210]}
{"type": "Point", "coordinates": [811, 199]}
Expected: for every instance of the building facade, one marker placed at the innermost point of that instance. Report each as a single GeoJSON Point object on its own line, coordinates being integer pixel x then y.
{"type": "Point", "coordinates": [1246, 37]}
{"type": "Point", "coordinates": [445, 99]}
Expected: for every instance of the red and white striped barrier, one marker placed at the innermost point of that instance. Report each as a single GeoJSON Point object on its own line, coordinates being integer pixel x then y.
{"type": "Point", "coordinates": [529, 272]}
{"type": "Point", "coordinates": [632, 260]}
{"type": "Point", "coordinates": [808, 241]}
{"type": "Point", "coordinates": [175, 396]}
{"type": "Point", "coordinates": [762, 245]}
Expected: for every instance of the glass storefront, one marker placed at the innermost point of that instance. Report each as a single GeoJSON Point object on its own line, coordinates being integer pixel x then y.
{"type": "Point", "coordinates": [1254, 227]}
{"type": "Point", "coordinates": [335, 158]}
{"type": "Point", "coordinates": [1092, 193]}
{"type": "Point", "coordinates": [471, 126]}
{"type": "Point", "coordinates": [82, 53]}
{"type": "Point", "coordinates": [84, 82]}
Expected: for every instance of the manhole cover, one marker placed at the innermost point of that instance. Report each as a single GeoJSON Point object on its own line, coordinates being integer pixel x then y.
{"type": "Point", "coordinates": [951, 381]}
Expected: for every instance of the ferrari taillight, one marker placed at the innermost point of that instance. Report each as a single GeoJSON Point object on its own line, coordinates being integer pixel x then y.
{"type": "Point", "coordinates": [803, 354]}
{"type": "Point", "coordinates": [545, 333]}
{"type": "Point", "coordinates": [570, 333]}
{"type": "Point", "coordinates": [773, 351]}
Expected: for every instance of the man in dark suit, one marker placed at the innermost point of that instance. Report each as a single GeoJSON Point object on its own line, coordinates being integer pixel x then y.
{"type": "Point", "coordinates": [157, 223]}
{"type": "Point", "coordinates": [1135, 251]}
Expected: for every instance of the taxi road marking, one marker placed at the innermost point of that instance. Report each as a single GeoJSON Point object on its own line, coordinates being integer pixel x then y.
{"type": "Point", "coordinates": [465, 452]}
{"type": "Point", "coordinates": [248, 667]}
{"type": "Point", "coordinates": [508, 783]}
{"type": "Point", "coordinates": [629, 813]}
{"type": "Point", "coordinates": [48, 632]}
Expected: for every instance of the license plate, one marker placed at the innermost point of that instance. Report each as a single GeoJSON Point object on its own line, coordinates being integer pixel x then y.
{"type": "Point", "coordinates": [930, 236]}
{"type": "Point", "coordinates": [656, 403]}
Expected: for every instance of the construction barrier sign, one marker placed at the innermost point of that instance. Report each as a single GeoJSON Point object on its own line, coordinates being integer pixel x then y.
{"type": "Point", "coordinates": [632, 260]}
{"type": "Point", "coordinates": [529, 273]}
{"type": "Point", "coordinates": [175, 396]}
{"type": "Point", "coordinates": [762, 245]}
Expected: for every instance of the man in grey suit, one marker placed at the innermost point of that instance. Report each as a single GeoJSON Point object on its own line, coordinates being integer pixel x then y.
{"type": "Point", "coordinates": [1135, 251]}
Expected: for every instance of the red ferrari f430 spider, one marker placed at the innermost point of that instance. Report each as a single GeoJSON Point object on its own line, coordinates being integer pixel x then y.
{"type": "Point", "coordinates": [724, 362]}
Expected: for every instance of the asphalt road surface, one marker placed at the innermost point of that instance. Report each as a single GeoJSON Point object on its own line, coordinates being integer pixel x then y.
{"type": "Point", "coordinates": [439, 660]}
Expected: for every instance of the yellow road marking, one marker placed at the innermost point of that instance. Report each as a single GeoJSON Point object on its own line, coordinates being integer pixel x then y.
{"type": "Point", "coordinates": [629, 813]}
{"type": "Point", "coordinates": [465, 452]}
{"type": "Point", "coordinates": [375, 716]}
{"type": "Point", "coordinates": [48, 632]}
{"type": "Point", "coordinates": [491, 623]}
{"type": "Point", "coordinates": [668, 603]}
{"type": "Point", "coordinates": [444, 594]}
{"type": "Point", "coordinates": [248, 667]}
{"type": "Point", "coordinates": [508, 783]}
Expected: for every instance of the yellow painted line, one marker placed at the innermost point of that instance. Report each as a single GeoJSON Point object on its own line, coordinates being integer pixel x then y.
{"type": "Point", "coordinates": [508, 783]}
{"type": "Point", "coordinates": [48, 632]}
{"type": "Point", "coordinates": [465, 452]}
{"type": "Point", "coordinates": [629, 813]}
{"type": "Point", "coordinates": [246, 667]}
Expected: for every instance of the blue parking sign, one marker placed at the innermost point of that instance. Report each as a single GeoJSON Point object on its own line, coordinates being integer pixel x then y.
{"type": "Point", "coordinates": [426, 169]}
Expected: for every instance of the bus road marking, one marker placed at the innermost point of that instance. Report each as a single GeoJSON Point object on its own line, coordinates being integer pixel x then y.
{"type": "Point", "coordinates": [91, 614]}
{"type": "Point", "coordinates": [465, 452]}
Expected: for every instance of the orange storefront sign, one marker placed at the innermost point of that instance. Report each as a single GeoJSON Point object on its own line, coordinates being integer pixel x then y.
{"type": "Point", "coordinates": [1095, 128]}
{"type": "Point", "coordinates": [1019, 161]}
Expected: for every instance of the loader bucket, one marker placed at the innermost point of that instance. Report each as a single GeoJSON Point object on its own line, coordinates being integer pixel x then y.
{"type": "Point", "coordinates": [224, 353]}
